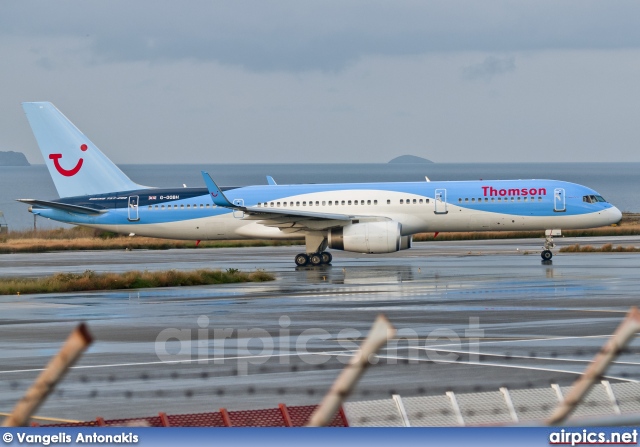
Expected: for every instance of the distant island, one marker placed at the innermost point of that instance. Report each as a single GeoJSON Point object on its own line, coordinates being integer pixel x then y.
{"type": "Point", "coordinates": [10, 158]}
{"type": "Point", "coordinates": [410, 159]}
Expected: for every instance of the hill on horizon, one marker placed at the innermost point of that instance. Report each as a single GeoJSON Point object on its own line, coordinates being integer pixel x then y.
{"type": "Point", "coordinates": [410, 159]}
{"type": "Point", "coordinates": [10, 158]}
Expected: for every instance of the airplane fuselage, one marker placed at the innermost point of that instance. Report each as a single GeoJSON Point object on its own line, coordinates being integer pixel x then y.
{"type": "Point", "coordinates": [487, 205]}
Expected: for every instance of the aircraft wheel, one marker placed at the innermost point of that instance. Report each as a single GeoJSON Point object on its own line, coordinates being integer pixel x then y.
{"type": "Point", "coordinates": [302, 259]}
{"type": "Point", "coordinates": [326, 257]}
{"type": "Point", "coordinates": [315, 259]}
{"type": "Point", "coordinates": [546, 255]}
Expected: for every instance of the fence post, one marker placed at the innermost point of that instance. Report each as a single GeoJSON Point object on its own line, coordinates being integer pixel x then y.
{"type": "Point", "coordinates": [507, 399]}
{"type": "Point", "coordinates": [225, 417]}
{"type": "Point", "coordinates": [164, 420]}
{"type": "Point", "coordinates": [625, 332]}
{"type": "Point", "coordinates": [73, 347]}
{"type": "Point", "coordinates": [456, 407]}
{"type": "Point", "coordinates": [403, 412]}
{"type": "Point", "coordinates": [285, 415]}
{"type": "Point", "coordinates": [380, 332]}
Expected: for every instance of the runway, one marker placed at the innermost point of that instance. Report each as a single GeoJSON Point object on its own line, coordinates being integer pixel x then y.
{"type": "Point", "coordinates": [471, 315]}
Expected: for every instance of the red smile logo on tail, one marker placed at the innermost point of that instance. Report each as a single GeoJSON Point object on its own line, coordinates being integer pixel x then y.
{"type": "Point", "coordinates": [67, 172]}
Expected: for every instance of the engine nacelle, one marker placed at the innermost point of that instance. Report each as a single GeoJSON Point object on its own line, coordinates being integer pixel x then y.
{"type": "Point", "coordinates": [369, 237]}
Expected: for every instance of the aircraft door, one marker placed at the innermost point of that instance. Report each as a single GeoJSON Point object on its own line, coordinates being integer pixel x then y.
{"type": "Point", "coordinates": [559, 204]}
{"type": "Point", "coordinates": [237, 213]}
{"type": "Point", "coordinates": [440, 201]}
{"type": "Point", "coordinates": [133, 208]}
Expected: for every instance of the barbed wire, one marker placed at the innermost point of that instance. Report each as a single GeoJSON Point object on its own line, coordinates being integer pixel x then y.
{"type": "Point", "coordinates": [126, 385]}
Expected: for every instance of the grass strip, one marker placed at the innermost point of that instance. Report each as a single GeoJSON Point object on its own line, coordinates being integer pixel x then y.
{"type": "Point", "coordinates": [90, 280]}
{"type": "Point", "coordinates": [607, 248]}
{"type": "Point", "coordinates": [83, 238]}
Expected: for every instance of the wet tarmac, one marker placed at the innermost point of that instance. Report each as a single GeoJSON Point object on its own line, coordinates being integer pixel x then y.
{"type": "Point", "coordinates": [471, 315]}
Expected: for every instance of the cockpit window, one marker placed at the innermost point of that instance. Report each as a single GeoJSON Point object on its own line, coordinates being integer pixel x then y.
{"type": "Point", "coordinates": [593, 199]}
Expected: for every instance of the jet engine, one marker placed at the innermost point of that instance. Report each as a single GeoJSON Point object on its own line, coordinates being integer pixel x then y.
{"type": "Point", "coordinates": [369, 237]}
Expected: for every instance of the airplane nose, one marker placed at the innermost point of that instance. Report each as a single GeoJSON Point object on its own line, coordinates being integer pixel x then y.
{"type": "Point", "coordinates": [615, 214]}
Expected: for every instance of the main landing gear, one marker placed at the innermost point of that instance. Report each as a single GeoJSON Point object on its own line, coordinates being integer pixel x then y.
{"type": "Point", "coordinates": [314, 259]}
{"type": "Point", "coordinates": [549, 244]}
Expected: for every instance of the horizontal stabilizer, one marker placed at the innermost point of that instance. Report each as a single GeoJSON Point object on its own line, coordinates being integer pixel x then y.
{"type": "Point", "coordinates": [63, 206]}
{"type": "Point", "coordinates": [216, 193]}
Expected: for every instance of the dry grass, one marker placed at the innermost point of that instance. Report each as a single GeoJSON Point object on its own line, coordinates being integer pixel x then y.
{"type": "Point", "coordinates": [629, 226]}
{"type": "Point", "coordinates": [82, 238]}
{"type": "Point", "coordinates": [607, 248]}
{"type": "Point", "coordinates": [90, 280]}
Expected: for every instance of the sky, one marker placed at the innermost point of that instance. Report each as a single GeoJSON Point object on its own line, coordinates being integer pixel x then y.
{"type": "Point", "coordinates": [328, 81]}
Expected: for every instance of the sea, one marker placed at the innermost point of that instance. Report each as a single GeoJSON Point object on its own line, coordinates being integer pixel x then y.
{"type": "Point", "coordinates": [618, 183]}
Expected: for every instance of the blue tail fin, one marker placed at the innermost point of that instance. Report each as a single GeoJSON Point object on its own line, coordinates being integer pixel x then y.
{"type": "Point", "coordinates": [76, 165]}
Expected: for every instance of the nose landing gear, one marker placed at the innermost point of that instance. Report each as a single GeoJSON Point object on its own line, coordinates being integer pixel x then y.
{"type": "Point", "coordinates": [549, 244]}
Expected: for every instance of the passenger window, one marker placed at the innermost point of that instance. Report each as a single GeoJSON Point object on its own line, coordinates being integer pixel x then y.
{"type": "Point", "coordinates": [304, 203]}
{"type": "Point", "coordinates": [355, 202]}
{"type": "Point", "coordinates": [493, 199]}
{"type": "Point", "coordinates": [525, 199]}
{"type": "Point", "coordinates": [150, 206]}
{"type": "Point", "coordinates": [486, 199]}
{"type": "Point", "coordinates": [343, 202]}
{"type": "Point", "coordinates": [188, 206]}
{"type": "Point", "coordinates": [473, 199]}
{"type": "Point", "coordinates": [181, 206]}
{"type": "Point", "coordinates": [317, 203]}
{"type": "Point", "coordinates": [414, 201]}
{"type": "Point", "coordinates": [426, 200]}
{"type": "Point", "coordinates": [278, 203]}
{"type": "Point", "coordinates": [401, 202]}
{"type": "Point", "coordinates": [466, 199]}
{"type": "Point", "coordinates": [330, 202]}
{"type": "Point", "coordinates": [310, 203]}
{"type": "Point", "coordinates": [324, 203]}
{"type": "Point", "coordinates": [375, 202]}
{"type": "Point", "coordinates": [388, 202]}
{"type": "Point", "coordinates": [297, 203]}
{"type": "Point", "coordinates": [539, 198]}
{"type": "Point", "coordinates": [349, 202]}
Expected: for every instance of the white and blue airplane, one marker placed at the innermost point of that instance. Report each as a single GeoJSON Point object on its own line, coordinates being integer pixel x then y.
{"type": "Point", "coordinates": [356, 217]}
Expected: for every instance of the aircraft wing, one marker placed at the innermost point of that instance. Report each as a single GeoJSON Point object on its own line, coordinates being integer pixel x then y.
{"type": "Point", "coordinates": [63, 206]}
{"type": "Point", "coordinates": [290, 221]}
